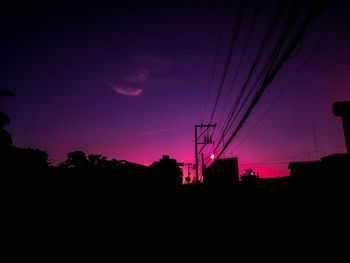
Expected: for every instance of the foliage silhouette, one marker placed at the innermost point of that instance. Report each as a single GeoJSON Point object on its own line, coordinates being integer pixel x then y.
{"type": "Point", "coordinates": [15, 158]}
{"type": "Point", "coordinates": [78, 159]}
{"type": "Point", "coordinates": [5, 136]}
{"type": "Point", "coordinates": [6, 93]}
{"type": "Point", "coordinates": [249, 177]}
{"type": "Point", "coordinates": [4, 120]}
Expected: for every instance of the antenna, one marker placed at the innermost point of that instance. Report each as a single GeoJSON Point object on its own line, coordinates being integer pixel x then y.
{"type": "Point", "coordinates": [315, 138]}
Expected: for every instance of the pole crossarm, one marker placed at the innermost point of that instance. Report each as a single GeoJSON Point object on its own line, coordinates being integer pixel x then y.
{"type": "Point", "coordinates": [207, 140]}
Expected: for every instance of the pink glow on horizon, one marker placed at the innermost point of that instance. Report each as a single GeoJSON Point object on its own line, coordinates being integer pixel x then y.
{"type": "Point", "coordinates": [265, 171]}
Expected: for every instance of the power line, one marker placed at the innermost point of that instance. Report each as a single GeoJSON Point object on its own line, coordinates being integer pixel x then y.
{"type": "Point", "coordinates": [272, 161]}
{"type": "Point", "coordinates": [248, 164]}
{"type": "Point", "coordinates": [226, 8]}
{"type": "Point", "coordinates": [316, 8]}
{"type": "Point", "coordinates": [231, 119]}
{"type": "Point", "coordinates": [228, 61]}
{"type": "Point", "coordinates": [267, 36]}
{"type": "Point", "coordinates": [262, 47]}
{"type": "Point", "coordinates": [316, 47]}
{"type": "Point", "coordinates": [246, 44]}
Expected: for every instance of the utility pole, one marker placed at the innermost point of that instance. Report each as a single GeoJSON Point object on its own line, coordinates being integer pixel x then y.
{"type": "Point", "coordinates": [206, 140]}
{"type": "Point", "coordinates": [223, 141]}
{"type": "Point", "coordinates": [188, 178]}
{"type": "Point", "coordinates": [203, 166]}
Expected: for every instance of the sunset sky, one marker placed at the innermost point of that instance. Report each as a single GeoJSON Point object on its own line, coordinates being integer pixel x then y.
{"type": "Point", "coordinates": [130, 81]}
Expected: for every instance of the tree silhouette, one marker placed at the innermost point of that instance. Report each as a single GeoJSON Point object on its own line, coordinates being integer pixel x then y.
{"type": "Point", "coordinates": [5, 136]}
{"type": "Point", "coordinates": [75, 159]}
{"type": "Point", "coordinates": [95, 160]}
{"type": "Point", "coordinates": [32, 158]}
{"type": "Point", "coordinates": [98, 161]}
{"type": "Point", "coordinates": [78, 159]}
{"type": "Point", "coordinates": [249, 176]}
{"type": "Point", "coordinates": [4, 120]}
{"type": "Point", "coordinates": [6, 93]}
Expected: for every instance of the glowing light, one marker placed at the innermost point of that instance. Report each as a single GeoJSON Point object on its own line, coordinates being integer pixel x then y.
{"type": "Point", "coordinates": [212, 156]}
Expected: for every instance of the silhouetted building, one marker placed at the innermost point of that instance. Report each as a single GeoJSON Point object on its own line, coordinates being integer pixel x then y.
{"type": "Point", "coordinates": [167, 172]}
{"type": "Point", "coordinates": [337, 165]}
{"type": "Point", "coordinates": [307, 171]}
{"type": "Point", "coordinates": [222, 172]}
{"type": "Point", "coordinates": [333, 167]}
{"type": "Point", "coordinates": [132, 173]}
{"type": "Point", "coordinates": [274, 180]}
{"type": "Point", "coordinates": [342, 109]}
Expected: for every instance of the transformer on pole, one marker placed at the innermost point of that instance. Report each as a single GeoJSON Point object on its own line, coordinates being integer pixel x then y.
{"type": "Point", "coordinates": [204, 128]}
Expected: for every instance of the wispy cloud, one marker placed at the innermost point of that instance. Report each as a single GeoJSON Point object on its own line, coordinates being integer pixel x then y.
{"type": "Point", "coordinates": [124, 90]}
{"type": "Point", "coordinates": [148, 71]}
{"type": "Point", "coordinates": [139, 77]}
{"type": "Point", "coordinates": [156, 63]}
{"type": "Point", "coordinates": [155, 131]}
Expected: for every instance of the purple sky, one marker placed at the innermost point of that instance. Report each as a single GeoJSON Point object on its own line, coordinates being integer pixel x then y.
{"type": "Point", "coordinates": [130, 81]}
